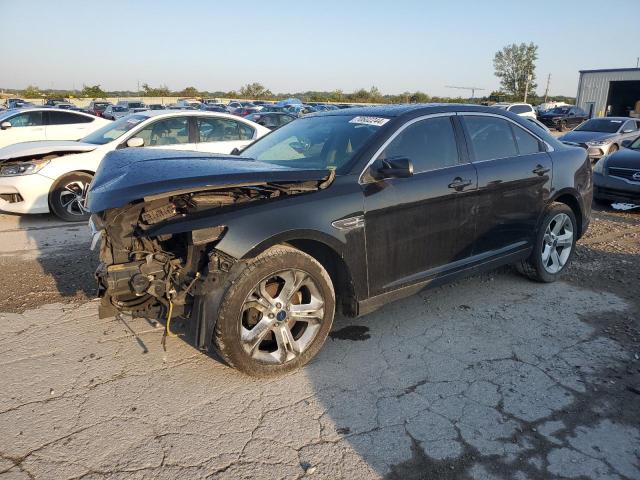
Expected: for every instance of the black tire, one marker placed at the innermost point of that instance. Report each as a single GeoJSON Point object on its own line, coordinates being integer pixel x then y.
{"type": "Point", "coordinates": [226, 340]}
{"type": "Point", "coordinates": [63, 190]}
{"type": "Point", "coordinates": [613, 149]}
{"type": "Point", "coordinates": [533, 267]}
{"type": "Point", "coordinates": [562, 126]}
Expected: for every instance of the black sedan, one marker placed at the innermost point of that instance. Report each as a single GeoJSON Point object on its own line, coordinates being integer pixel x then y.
{"type": "Point", "coordinates": [616, 177]}
{"type": "Point", "coordinates": [271, 120]}
{"type": "Point", "coordinates": [343, 210]}
{"type": "Point", "coordinates": [562, 118]}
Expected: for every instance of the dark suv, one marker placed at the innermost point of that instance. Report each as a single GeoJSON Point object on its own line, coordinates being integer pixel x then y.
{"type": "Point", "coordinates": [348, 209]}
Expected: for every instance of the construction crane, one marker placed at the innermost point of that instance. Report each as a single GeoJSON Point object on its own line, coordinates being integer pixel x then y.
{"type": "Point", "coordinates": [473, 89]}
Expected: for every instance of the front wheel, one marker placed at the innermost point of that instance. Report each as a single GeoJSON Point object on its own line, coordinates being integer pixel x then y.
{"type": "Point", "coordinates": [555, 245]}
{"type": "Point", "coordinates": [67, 197]}
{"type": "Point", "coordinates": [612, 149]}
{"type": "Point", "coordinates": [562, 126]}
{"type": "Point", "coordinates": [275, 314]}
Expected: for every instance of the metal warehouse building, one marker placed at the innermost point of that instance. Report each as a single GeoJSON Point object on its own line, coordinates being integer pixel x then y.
{"type": "Point", "coordinates": [614, 92]}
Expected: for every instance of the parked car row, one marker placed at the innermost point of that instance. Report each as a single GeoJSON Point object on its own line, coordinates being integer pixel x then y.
{"type": "Point", "coordinates": [52, 176]}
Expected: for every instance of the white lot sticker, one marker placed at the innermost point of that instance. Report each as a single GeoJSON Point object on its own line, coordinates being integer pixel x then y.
{"type": "Point", "coordinates": [377, 121]}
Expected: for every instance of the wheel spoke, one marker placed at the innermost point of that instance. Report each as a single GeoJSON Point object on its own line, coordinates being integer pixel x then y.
{"type": "Point", "coordinates": [565, 240]}
{"type": "Point", "coordinates": [555, 259]}
{"type": "Point", "coordinates": [259, 304]}
{"type": "Point", "coordinates": [66, 204]}
{"type": "Point", "coordinates": [557, 227]}
{"type": "Point", "coordinates": [287, 345]}
{"type": "Point", "coordinates": [262, 290]}
{"type": "Point", "coordinates": [307, 310]}
{"type": "Point", "coordinates": [293, 280]}
{"type": "Point", "coordinates": [545, 254]}
{"type": "Point", "coordinates": [252, 338]}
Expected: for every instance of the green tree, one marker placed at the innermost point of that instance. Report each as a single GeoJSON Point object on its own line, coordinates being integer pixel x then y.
{"type": "Point", "coordinates": [255, 90]}
{"type": "Point", "coordinates": [513, 64]}
{"type": "Point", "coordinates": [161, 91]}
{"type": "Point", "coordinates": [31, 92]}
{"type": "Point", "coordinates": [93, 91]}
{"type": "Point", "coordinates": [189, 92]}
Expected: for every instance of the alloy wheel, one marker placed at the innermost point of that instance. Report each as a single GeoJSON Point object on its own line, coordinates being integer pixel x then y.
{"type": "Point", "coordinates": [557, 243]}
{"type": "Point", "coordinates": [72, 197]}
{"type": "Point", "coordinates": [281, 317]}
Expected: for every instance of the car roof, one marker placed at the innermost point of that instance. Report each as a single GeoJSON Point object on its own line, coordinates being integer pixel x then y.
{"type": "Point", "coordinates": [397, 110]}
{"type": "Point", "coordinates": [36, 109]}
{"type": "Point", "coordinates": [176, 113]}
{"type": "Point", "coordinates": [617, 119]}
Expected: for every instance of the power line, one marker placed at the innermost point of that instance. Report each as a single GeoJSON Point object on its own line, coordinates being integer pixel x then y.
{"type": "Point", "coordinates": [473, 89]}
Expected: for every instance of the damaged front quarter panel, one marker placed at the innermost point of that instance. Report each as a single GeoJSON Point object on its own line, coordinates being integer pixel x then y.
{"type": "Point", "coordinates": [150, 268]}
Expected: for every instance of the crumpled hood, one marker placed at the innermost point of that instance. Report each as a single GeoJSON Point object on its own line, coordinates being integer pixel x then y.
{"type": "Point", "coordinates": [583, 137]}
{"type": "Point", "coordinates": [42, 147]}
{"type": "Point", "coordinates": [624, 158]}
{"type": "Point", "coordinates": [135, 173]}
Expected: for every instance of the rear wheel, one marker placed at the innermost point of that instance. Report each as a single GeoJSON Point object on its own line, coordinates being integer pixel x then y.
{"type": "Point", "coordinates": [276, 313]}
{"type": "Point", "coordinates": [555, 245]}
{"type": "Point", "coordinates": [67, 197]}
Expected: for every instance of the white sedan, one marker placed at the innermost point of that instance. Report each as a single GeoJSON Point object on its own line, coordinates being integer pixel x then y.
{"type": "Point", "coordinates": [53, 176]}
{"type": "Point", "coordinates": [30, 124]}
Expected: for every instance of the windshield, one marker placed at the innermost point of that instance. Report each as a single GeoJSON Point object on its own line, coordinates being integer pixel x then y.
{"type": "Point", "coordinates": [324, 142]}
{"type": "Point", "coordinates": [114, 130]}
{"type": "Point", "coordinates": [636, 144]}
{"type": "Point", "coordinates": [602, 125]}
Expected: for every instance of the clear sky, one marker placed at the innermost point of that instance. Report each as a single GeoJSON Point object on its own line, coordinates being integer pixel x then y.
{"type": "Point", "coordinates": [296, 45]}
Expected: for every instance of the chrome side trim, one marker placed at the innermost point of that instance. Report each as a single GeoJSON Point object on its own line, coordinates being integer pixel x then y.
{"type": "Point", "coordinates": [350, 223]}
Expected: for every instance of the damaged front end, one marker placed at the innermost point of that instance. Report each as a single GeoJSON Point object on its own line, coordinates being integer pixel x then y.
{"type": "Point", "coordinates": [159, 275]}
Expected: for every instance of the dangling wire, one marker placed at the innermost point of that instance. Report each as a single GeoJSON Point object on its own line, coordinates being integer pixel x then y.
{"type": "Point", "coordinates": [167, 327]}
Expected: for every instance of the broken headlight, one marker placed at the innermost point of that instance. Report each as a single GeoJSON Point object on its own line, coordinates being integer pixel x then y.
{"type": "Point", "coordinates": [23, 168]}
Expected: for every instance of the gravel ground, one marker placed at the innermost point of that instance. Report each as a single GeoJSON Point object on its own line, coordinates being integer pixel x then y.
{"type": "Point", "coordinates": [493, 377]}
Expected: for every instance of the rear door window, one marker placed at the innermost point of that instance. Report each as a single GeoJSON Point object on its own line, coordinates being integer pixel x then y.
{"type": "Point", "coordinates": [223, 130]}
{"type": "Point", "coordinates": [429, 144]}
{"type": "Point", "coordinates": [67, 118]}
{"type": "Point", "coordinates": [527, 143]}
{"type": "Point", "coordinates": [491, 137]}
{"type": "Point", "coordinates": [520, 109]}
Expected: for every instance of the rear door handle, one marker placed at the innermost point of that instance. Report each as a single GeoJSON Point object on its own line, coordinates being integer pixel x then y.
{"type": "Point", "coordinates": [540, 170]}
{"type": "Point", "coordinates": [459, 183]}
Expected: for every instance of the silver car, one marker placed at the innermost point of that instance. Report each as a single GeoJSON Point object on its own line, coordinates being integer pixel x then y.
{"type": "Point", "coordinates": [602, 136]}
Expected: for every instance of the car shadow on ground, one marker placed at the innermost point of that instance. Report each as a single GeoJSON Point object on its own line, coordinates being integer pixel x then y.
{"type": "Point", "coordinates": [45, 260]}
{"type": "Point", "coordinates": [491, 377]}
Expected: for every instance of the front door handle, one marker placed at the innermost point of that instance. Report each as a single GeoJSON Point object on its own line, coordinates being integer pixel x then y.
{"type": "Point", "coordinates": [540, 170]}
{"type": "Point", "coordinates": [459, 183]}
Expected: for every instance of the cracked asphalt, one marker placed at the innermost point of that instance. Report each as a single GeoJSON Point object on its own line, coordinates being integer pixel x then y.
{"type": "Point", "coordinates": [493, 377]}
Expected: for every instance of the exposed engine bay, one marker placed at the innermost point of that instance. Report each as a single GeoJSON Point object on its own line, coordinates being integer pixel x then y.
{"type": "Point", "coordinates": [158, 276]}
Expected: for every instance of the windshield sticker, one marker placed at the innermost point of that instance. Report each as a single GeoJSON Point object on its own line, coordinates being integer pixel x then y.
{"type": "Point", "coordinates": [377, 121]}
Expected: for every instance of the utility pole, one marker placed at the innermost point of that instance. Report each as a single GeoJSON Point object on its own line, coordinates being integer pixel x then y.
{"type": "Point", "coordinates": [526, 87]}
{"type": "Point", "coordinates": [546, 90]}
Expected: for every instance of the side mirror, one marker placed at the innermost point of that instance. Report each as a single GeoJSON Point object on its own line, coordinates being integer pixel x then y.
{"type": "Point", "coordinates": [235, 151]}
{"type": "Point", "coordinates": [628, 130]}
{"type": "Point", "coordinates": [5, 125]}
{"type": "Point", "coordinates": [626, 143]}
{"type": "Point", "coordinates": [395, 168]}
{"type": "Point", "coordinates": [135, 142]}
